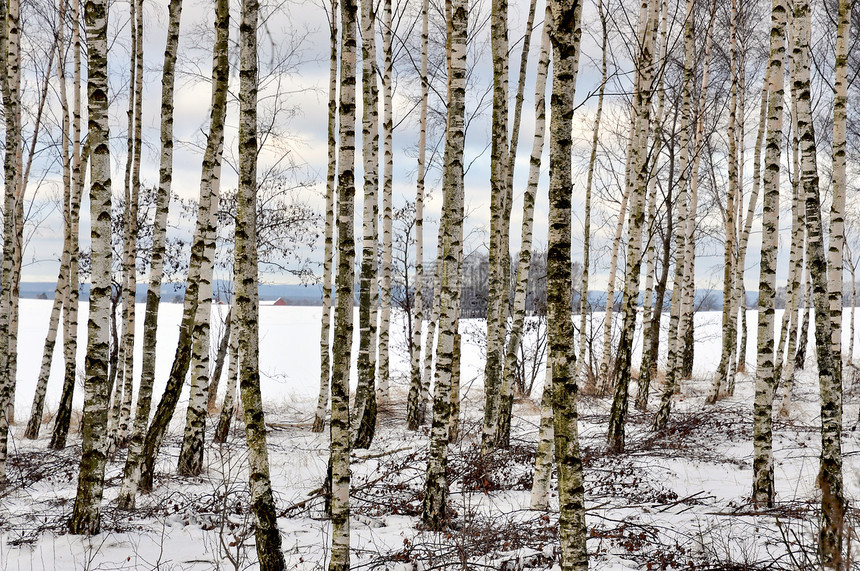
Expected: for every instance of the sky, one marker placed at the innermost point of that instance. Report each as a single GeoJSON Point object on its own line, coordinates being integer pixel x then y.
{"type": "Point", "coordinates": [301, 29]}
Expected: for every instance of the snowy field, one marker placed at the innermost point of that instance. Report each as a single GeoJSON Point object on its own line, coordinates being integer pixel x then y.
{"type": "Point", "coordinates": [677, 499]}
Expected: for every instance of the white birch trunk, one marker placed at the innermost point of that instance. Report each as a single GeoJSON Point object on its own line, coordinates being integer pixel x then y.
{"type": "Point", "coordinates": [434, 512]}
{"type": "Point", "coordinates": [328, 262]}
{"type": "Point", "coordinates": [763, 484]}
{"type": "Point", "coordinates": [387, 198]}
{"type": "Point", "coordinates": [364, 413]}
{"type": "Point", "coordinates": [565, 36]}
{"type": "Point", "coordinates": [86, 515]}
{"type": "Point", "coordinates": [637, 184]}
{"type": "Point", "coordinates": [675, 336]}
{"type": "Point", "coordinates": [502, 435]}
{"type": "Point", "coordinates": [498, 249]}
{"type": "Point", "coordinates": [131, 471]}
{"type": "Point", "coordinates": [340, 433]}
{"type": "Point", "coordinates": [543, 457]}
{"type": "Point", "coordinates": [415, 405]}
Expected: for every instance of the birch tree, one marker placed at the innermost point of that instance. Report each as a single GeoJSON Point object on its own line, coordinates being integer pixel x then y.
{"type": "Point", "coordinates": [328, 262]}
{"type": "Point", "coordinates": [387, 198]}
{"type": "Point", "coordinates": [795, 261]}
{"type": "Point", "coordinates": [684, 361]}
{"type": "Point", "coordinates": [434, 512]}
{"type": "Point", "coordinates": [194, 328]}
{"type": "Point", "coordinates": [662, 416]}
{"type": "Point", "coordinates": [266, 533]}
{"type": "Point", "coordinates": [836, 233]}
{"type": "Point", "coordinates": [10, 44]}
{"type": "Point", "coordinates": [61, 292]}
{"type": "Point", "coordinates": [227, 335]}
{"type": "Point", "coordinates": [365, 394]}
{"type": "Point", "coordinates": [589, 185]}
{"type": "Point", "coordinates": [131, 471]}
{"type": "Point", "coordinates": [650, 316]}
{"type": "Point", "coordinates": [502, 436]}
{"type": "Point", "coordinates": [340, 433]}
{"type": "Point", "coordinates": [826, 274]}
{"type": "Point", "coordinates": [565, 36]}
{"type": "Point", "coordinates": [729, 271]}
{"type": "Point", "coordinates": [86, 514]}
{"type": "Point", "coordinates": [763, 485]}
{"type": "Point", "coordinates": [637, 183]}
{"type": "Point", "coordinates": [496, 309]}
{"type": "Point", "coordinates": [80, 159]}
{"type": "Point", "coordinates": [415, 405]}
{"type": "Point", "coordinates": [543, 457]}
{"type": "Point", "coordinates": [191, 453]}
{"type": "Point", "coordinates": [739, 301]}
{"type": "Point", "coordinates": [139, 469]}
{"type": "Point", "coordinates": [123, 397]}
{"type": "Point", "coordinates": [229, 404]}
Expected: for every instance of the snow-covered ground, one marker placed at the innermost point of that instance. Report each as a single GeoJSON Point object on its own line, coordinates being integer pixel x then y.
{"type": "Point", "coordinates": [675, 499]}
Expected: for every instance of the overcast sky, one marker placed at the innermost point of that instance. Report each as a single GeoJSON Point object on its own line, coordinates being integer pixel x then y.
{"type": "Point", "coordinates": [302, 131]}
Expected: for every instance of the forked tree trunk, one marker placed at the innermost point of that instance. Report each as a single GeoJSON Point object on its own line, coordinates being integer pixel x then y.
{"type": "Point", "coordinates": [686, 331]}
{"type": "Point", "coordinates": [675, 336]}
{"type": "Point", "coordinates": [61, 292]}
{"type": "Point", "coordinates": [191, 453]}
{"type": "Point", "coordinates": [603, 375]}
{"type": "Point", "coordinates": [434, 512]}
{"type": "Point", "coordinates": [430, 343]}
{"type": "Point", "coordinates": [586, 226]}
{"type": "Point", "coordinates": [364, 415]}
{"type": "Point", "coordinates": [80, 159]}
{"type": "Point", "coordinates": [740, 289]}
{"type": "Point", "coordinates": [131, 246]}
{"type": "Point", "coordinates": [637, 183]}
{"type": "Point", "coordinates": [649, 365]}
{"type": "Point", "coordinates": [648, 313]}
{"type": "Point", "coordinates": [193, 345]}
{"type": "Point", "coordinates": [199, 274]}
{"type": "Point", "coordinates": [738, 265]}
{"type": "Point", "coordinates": [498, 248]}
{"type": "Point", "coordinates": [502, 435]}
{"type": "Point", "coordinates": [729, 271]}
{"type": "Point", "coordinates": [506, 397]}
{"type": "Point", "coordinates": [131, 471]}
{"type": "Point", "coordinates": [799, 330]}
{"type": "Point", "coordinates": [803, 336]}
{"type": "Point", "coordinates": [229, 404]}
{"type": "Point", "coordinates": [795, 262]}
